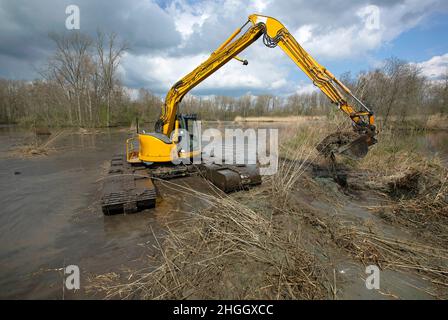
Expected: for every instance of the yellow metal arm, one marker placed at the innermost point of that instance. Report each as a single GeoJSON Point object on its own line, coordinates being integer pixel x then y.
{"type": "Point", "coordinates": [277, 34]}
{"type": "Point", "coordinates": [274, 33]}
{"type": "Point", "coordinates": [217, 59]}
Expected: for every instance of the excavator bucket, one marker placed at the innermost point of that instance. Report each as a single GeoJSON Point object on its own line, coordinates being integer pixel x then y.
{"type": "Point", "coordinates": [356, 149]}
{"type": "Point", "coordinates": [349, 144]}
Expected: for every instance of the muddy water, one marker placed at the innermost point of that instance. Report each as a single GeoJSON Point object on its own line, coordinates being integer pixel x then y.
{"type": "Point", "coordinates": [50, 215]}
{"type": "Point", "coordinates": [435, 143]}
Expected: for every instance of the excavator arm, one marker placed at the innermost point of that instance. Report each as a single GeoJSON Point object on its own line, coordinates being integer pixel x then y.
{"type": "Point", "coordinates": [217, 59]}
{"type": "Point", "coordinates": [274, 34]}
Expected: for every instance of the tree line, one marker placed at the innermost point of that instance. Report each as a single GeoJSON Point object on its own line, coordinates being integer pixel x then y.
{"type": "Point", "coordinates": [398, 92]}
{"type": "Point", "coordinates": [80, 86]}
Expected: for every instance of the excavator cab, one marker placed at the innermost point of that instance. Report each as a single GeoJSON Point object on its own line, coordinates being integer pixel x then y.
{"type": "Point", "coordinates": [157, 147]}
{"type": "Point", "coordinates": [187, 135]}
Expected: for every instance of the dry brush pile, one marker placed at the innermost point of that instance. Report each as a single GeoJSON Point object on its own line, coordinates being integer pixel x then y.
{"type": "Point", "coordinates": [36, 147]}
{"type": "Point", "coordinates": [415, 186]}
{"type": "Point", "coordinates": [228, 251]}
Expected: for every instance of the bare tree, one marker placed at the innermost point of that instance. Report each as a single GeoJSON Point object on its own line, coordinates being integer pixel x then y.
{"type": "Point", "coordinates": [70, 66]}
{"type": "Point", "coordinates": [109, 54]}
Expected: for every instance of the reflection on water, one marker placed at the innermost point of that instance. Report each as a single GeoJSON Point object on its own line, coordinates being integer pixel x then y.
{"type": "Point", "coordinates": [437, 144]}
{"type": "Point", "coordinates": [431, 143]}
{"type": "Point", "coordinates": [51, 215]}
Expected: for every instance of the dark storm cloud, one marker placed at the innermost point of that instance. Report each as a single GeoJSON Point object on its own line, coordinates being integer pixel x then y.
{"type": "Point", "coordinates": [25, 25]}
{"type": "Point", "coordinates": [164, 35]}
{"type": "Point", "coordinates": [292, 13]}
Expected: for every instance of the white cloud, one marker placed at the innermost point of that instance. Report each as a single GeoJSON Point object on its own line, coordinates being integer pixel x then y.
{"type": "Point", "coordinates": [188, 17]}
{"type": "Point", "coordinates": [337, 43]}
{"type": "Point", "coordinates": [367, 29]}
{"type": "Point", "coordinates": [204, 25]}
{"type": "Point", "coordinates": [260, 5]}
{"type": "Point", "coordinates": [331, 32]}
{"type": "Point", "coordinates": [168, 41]}
{"type": "Point", "coordinates": [306, 88]}
{"type": "Point", "coordinates": [434, 68]}
{"type": "Point", "coordinates": [304, 33]}
{"type": "Point", "coordinates": [161, 72]}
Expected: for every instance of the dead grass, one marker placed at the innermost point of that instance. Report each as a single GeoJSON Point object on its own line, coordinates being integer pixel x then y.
{"type": "Point", "coordinates": [35, 148]}
{"type": "Point", "coordinates": [373, 247]}
{"type": "Point", "coordinates": [244, 246]}
{"type": "Point", "coordinates": [415, 185]}
{"type": "Point", "coordinates": [437, 122]}
{"type": "Point", "coordinates": [419, 202]}
{"type": "Point", "coordinates": [368, 243]}
{"type": "Point", "coordinates": [415, 189]}
{"type": "Point", "coordinates": [31, 150]}
{"type": "Point", "coordinates": [229, 251]}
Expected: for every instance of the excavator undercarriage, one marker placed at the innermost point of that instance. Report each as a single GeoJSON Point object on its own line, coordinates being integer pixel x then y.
{"type": "Point", "coordinates": [129, 188]}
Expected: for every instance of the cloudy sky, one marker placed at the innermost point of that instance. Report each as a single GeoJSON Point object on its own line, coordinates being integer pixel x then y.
{"type": "Point", "coordinates": [168, 38]}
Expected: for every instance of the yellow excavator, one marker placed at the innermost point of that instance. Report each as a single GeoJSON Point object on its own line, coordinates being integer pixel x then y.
{"type": "Point", "coordinates": [130, 186]}
{"type": "Point", "coordinates": [161, 146]}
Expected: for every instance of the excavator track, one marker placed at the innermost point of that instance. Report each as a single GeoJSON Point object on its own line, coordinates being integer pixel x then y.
{"type": "Point", "coordinates": [127, 188]}
{"type": "Point", "coordinates": [231, 178]}
{"type": "Point", "coordinates": [172, 171]}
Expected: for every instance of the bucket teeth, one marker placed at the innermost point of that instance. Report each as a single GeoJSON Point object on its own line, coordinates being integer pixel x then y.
{"type": "Point", "coordinates": [349, 144]}
{"type": "Point", "coordinates": [356, 149]}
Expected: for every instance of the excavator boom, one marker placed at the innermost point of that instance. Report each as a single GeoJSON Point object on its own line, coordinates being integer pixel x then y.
{"type": "Point", "coordinates": [274, 34]}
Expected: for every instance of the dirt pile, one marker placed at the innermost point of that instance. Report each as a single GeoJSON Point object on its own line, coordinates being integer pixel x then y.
{"type": "Point", "coordinates": [404, 185]}
{"type": "Point", "coordinates": [334, 141]}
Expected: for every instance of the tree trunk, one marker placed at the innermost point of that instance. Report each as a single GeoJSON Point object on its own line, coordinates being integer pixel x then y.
{"type": "Point", "coordinates": [108, 110]}
{"type": "Point", "coordinates": [90, 108]}
{"type": "Point", "coordinates": [79, 109]}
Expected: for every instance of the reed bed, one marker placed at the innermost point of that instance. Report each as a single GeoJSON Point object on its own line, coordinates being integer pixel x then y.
{"type": "Point", "coordinates": [228, 251]}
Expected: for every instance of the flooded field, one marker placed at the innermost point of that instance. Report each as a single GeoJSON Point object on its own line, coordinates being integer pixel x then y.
{"type": "Point", "coordinates": [50, 214]}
